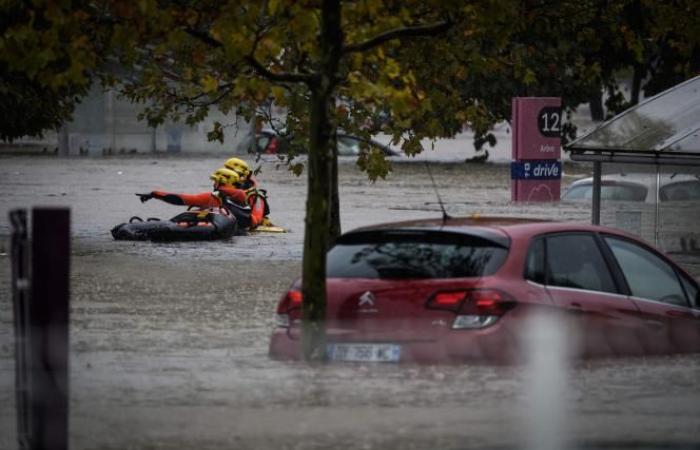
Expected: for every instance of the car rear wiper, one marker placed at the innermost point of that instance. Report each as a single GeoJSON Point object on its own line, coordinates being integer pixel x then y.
{"type": "Point", "coordinates": [402, 272]}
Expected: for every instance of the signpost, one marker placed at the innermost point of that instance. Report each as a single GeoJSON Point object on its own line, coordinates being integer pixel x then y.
{"type": "Point", "coordinates": [535, 171]}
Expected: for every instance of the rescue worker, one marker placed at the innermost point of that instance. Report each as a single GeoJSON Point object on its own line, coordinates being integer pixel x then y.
{"type": "Point", "coordinates": [248, 183]}
{"type": "Point", "coordinates": [243, 170]}
{"type": "Point", "coordinates": [249, 209]}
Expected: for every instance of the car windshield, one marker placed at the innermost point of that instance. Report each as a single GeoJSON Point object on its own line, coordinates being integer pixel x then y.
{"type": "Point", "coordinates": [623, 192]}
{"type": "Point", "coordinates": [392, 255]}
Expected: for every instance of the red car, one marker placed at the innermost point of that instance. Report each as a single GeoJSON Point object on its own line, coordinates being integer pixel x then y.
{"type": "Point", "coordinates": [462, 290]}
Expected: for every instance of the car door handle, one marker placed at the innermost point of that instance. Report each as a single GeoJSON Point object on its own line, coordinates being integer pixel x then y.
{"type": "Point", "coordinates": [655, 324]}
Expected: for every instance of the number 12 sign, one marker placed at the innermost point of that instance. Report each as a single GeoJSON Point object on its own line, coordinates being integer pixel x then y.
{"type": "Point", "coordinates": [549, 121]}
{"type": "Point", "coordinates": [536, 140]}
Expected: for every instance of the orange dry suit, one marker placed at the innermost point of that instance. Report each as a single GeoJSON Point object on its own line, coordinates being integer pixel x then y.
{"type": "Point", "coordinates": [248, 206]}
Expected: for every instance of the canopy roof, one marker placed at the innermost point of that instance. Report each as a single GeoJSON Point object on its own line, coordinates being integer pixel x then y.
{"type": "Point", "coordinates": [663, 129]}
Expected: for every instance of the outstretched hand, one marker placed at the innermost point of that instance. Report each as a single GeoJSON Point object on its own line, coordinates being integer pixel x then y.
{"type": "Point", "coordinates": [144, 197]}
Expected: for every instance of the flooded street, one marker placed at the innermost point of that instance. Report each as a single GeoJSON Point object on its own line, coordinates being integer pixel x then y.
{"type": "Point", "coordinates": [168, 343]}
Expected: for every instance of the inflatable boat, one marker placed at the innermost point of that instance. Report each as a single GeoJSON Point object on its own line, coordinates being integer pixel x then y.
{"type": "Point", "coordinates": [187, 226]}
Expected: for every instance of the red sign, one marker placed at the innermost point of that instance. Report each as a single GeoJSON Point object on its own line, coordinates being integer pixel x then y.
{"type": "Point", "coordinates": [536, 140]}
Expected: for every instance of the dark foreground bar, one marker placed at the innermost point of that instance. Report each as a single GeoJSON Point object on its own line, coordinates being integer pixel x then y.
{"type": "Point", "coordinates": [41, 327]}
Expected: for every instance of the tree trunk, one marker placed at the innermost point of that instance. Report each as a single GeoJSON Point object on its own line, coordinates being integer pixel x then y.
{"type": "Point", "coordinates": [595, 103]}
{"type": "Point", "coordinates": [317, 222]}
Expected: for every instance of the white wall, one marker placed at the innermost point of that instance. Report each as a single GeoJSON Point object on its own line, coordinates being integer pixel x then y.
{"type": "Point", "coordinates": [104, 123]}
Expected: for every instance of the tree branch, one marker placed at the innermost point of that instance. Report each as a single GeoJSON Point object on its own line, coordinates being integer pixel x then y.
{"type": "Point", "coordinates": [281, 77]}
{"type": "Point", "coordinates": [203, 37]}
{"type": "Point", "coordinates": [398, 33]}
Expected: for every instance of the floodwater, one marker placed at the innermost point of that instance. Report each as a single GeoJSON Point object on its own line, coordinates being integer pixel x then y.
{"type": "Point", "coordinates": [168, 342]}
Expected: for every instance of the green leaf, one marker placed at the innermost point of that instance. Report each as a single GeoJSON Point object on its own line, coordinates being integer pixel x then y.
{"type": "Point", "coordinates": [217, 134]}
{"type": "Point", "coordinates": [209, 83]}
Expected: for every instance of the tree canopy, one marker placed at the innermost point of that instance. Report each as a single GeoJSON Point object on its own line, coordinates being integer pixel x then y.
{"type": "Point", "coordinates": [50, 52]}
{"type": "Point", "coordinates": [47, 53]}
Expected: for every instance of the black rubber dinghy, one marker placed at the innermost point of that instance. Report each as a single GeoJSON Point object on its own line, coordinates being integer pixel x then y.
{"type": "Point", "coordinates": [187, 226]}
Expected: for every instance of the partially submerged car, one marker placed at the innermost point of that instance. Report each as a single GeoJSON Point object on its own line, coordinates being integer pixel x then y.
{"type": "Point", "coordinates": [350, 145]}
{"type": "Point", "coordinates": [271, 142]}
{"type": "Point", "coordinates": [465, 289]}
{"type": "Point", "coordinates": [637, 188]}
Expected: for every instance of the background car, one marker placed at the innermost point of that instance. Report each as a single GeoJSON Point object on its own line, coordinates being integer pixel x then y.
{"type": "Point", "coordinates": [270, 142]}
{"type": "Point", "coordinates": [266, 141]}
{"type": "Point", "coordinates": [465, 289]}
{"type": "Point", "coordinates": [637, 188]}
{"type": "Point", "coordinates": [349, 145]}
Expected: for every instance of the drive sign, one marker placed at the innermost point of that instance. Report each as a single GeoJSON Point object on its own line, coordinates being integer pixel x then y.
{"type": "Point", "coordinates": [545, 169]}
{"type": "Point", "coordinates": [536, 168]}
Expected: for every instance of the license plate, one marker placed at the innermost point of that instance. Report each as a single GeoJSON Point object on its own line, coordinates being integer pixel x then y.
{"type": "Point", "coordinates": [364, 352]}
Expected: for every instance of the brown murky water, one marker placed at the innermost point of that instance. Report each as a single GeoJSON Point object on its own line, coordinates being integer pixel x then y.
{"type": "Point", "coordinates": [169, 341]}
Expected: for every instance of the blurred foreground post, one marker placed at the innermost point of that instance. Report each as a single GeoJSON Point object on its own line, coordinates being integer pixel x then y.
{"type": "Point", "coordinates": [20, 302]}
{"type": "Point", "coordinates": [41, 327]}
{"type": "Point", "coordinates": [549, 347]}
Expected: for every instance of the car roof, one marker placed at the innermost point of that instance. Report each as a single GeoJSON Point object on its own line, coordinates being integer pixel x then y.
{"type": "Point", "coordinates": [373, 142]}
{"type": "Point", "coordinates": [645, 179]}
{"type": "Point", "coordinates": [490, 227]}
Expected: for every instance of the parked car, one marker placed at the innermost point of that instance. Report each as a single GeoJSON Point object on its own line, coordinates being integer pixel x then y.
{"type": "Point", "coordinates": [270, 142]}
{"type": "Point", "coordinates": [463, 290]}
{"type": "Point", "coordinates": [266, 141]}
{"type": "Point", "coordinates": [637, 188]}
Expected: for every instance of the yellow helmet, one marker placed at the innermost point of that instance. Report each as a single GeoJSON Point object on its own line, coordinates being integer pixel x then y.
{"type": "Point", "coordinates": [224, 176]}
{"type": "Point", "coordinates": [239, 166]}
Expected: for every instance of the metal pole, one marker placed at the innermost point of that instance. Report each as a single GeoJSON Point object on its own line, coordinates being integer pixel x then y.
{"type": "Point", "coordinates": [109, 117]}
{"type": "Point", "coordinates": [48, 317]}
{"type": "Point", "coordinates": [657, 216]}
{"type": "Point", "coordinates": [595, 213]}
{"type": "Point", "coordinates": [20, 303]}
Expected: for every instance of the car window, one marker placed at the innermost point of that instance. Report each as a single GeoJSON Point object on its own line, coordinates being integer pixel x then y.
{"type": "Point", "coordinates": [619, 192]}
{"type": "Point", "coordinates": [680, 191]}
{"type": "Point", "coordinates": [574, 260]}
{"type": "Point", "coordinates": [263, 140]}
{"type": "Point", "coordinates": [348, 146]}
{"type": "Point", "coordinates": [414, 255]}
{"type": "Point", "coordinates": [692, 292]}
{"type": "Point", "coordinates": [579, 192]}
{"type": "Point", "coordinates": [534, 264]}
{"type": "Point", "coordinates": [647, 275]}
{"type": "Point", "coordinates": [624, 192]}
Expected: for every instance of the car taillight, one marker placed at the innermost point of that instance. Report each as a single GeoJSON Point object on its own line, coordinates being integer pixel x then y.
{"type": "Point", "coordinates": [271, 146]}
{"type": "Point", "coordinates": [290, 302]}
{"type": "Point", "coordinates": [449, 300]}
{"type": "Point", "coordinates": [475, 308]}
